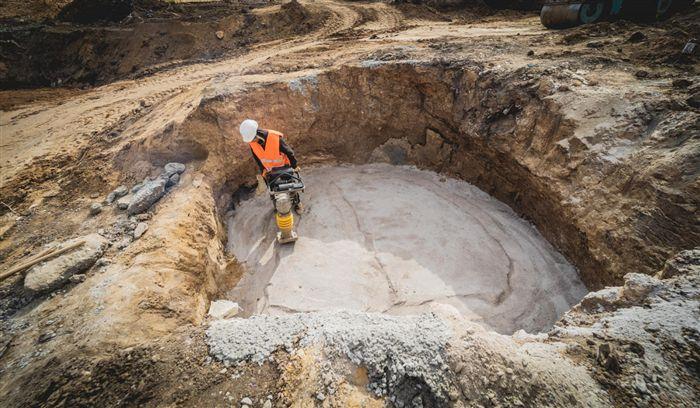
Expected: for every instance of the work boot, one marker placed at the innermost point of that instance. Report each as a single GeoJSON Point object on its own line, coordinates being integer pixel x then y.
{"type": "Point", "coordinates": [299, 208]}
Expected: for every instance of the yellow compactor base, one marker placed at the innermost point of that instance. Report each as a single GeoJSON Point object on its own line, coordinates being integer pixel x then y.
{"type": "Point", "coordinates": [285, 223]}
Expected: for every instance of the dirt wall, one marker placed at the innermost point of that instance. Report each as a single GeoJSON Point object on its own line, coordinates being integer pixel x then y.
{"type": "Point", "coordinates": [487, 129]}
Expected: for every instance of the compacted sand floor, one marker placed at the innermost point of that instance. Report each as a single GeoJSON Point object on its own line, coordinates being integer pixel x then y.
{"type": "Point", "coordinates": [399, 240]}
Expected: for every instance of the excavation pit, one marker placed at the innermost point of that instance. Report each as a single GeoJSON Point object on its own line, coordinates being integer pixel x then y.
{"type": "Point", "coordinates": [398, 240]}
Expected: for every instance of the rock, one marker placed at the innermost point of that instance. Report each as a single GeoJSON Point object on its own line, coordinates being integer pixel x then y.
{"type": "Point", "coordinates": [564, 88]}
{"type": "Point", "coordinates": [640, 385]}
{"type": "Point", "coordinates": [77, 278]}
{"type": "Point", "coordinates": [110, 198]}
{"type": "Point", "coordinates": [123, 243]}
{"type": "Point", "coordinates": [220, 35]}
{"type": "Point", "coordinates": [694, 100]}
{"type": "Point", "coordinates": [147, 195]}
{"type": "Point", "coordinates": [636, 37]}
{"type": "Point", "coordinates": [608, 358]}
{"type": "Point", "coordinates": [55, 272]}
{"type": "Point", "coordinates": [223, 309]}
{"type": "Point", "coordinates": [530, 53]}
{"type": "Point", "coordinates": [123, 203]}
{"type": "Point", "coordinates": [689, 48]}
{"type": "Point", "coordinates": [681, 83]}
{"type": "Point", "coordinates": [246, 401]}
{"type": "Point", "coordinates": [595, 44]}
{"type": "Point", "coordinates": [143, 217]}
{"type": "Point", "coordinates": [140, 229]}
{"type": "Point", "coordinates": [44, 337]}
{"type": "Point", "coordinates": [95, 208]}
{"type": "Point", "coordinates": [267, 404]}
{"type": "Point", "coordinates": [320, 396]}
{"type": "Point", "coordinates": [144, 103]}
{"type": "Point", "coordinates": [174, 167]}
{"type": "Point", "coordinates": [136, 187]}
{"type": "Point", "coordinates": [685, 262]}
{"type": "Point", "coordinates": [173, 180]}
{"type": "Point", "coordinates": [638, 286]}
{"type": "Point", "coordinates": [653, 327]}
{"type": "Point", "coordinates": [601, 300]}
{"type": "Point", "coordinates": [121, 191]}
{"type": "Point", "coordinates": [641, 74]}
{"type": "Point", "coordinates": [417, 401]}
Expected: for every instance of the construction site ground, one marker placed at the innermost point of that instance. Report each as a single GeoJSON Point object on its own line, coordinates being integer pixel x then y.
{"type": "Point", "coordinates": [579, 149]}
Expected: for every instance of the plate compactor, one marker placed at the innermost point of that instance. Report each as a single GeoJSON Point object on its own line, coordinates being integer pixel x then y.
{"type": "Point", "coordinates": [284, 185]}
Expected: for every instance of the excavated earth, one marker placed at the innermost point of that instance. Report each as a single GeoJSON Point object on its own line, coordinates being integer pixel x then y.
{"type": "Point", "coordinates": [392, 239]}
{"type": "Point", "coordinates": [468, 173]}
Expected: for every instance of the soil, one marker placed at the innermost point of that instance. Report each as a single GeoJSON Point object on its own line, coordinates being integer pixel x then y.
{"type": "Point", "coordinates": [87, 53]}
{"type": "Point", "coordinates": [369, 239]}
{"type": "Point", "coordinates": [590, 134]}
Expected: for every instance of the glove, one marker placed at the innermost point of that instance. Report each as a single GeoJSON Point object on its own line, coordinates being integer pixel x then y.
{"type": "Point", "coordinates": [297, 169]}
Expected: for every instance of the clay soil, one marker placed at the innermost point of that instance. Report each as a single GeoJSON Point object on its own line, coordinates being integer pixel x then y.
{"type": "Point", "coordinates": [590, 134]}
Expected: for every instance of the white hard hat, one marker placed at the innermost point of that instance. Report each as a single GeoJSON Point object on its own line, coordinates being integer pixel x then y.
{"type": "Point", "coordinates": [248, 129]}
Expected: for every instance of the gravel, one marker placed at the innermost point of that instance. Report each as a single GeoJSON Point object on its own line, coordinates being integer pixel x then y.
{"type": "Point", "coordinates": [394, 349]}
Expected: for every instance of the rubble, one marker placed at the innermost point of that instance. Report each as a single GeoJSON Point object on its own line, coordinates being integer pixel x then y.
{"type": "Point", "coordinates": [55, 272]}
{"type": "Point", "coordinates": [123, 203]}
{"type": "Point", "coordinates": [95, 208]}
{"type": "Point", "coordinates": [140, 229]}
{"type": "Point", "coordinates": [174, 168]}
{"type": "Point", "coordinates": [173, 180]}
{"type": "Point", "coordinates": [601, 300]}
{"type": "Point", "coordinates": [120, 191]}
{"type": "Point", "coordinates": [393, 348]}
{"type": "Point", "coordinates": [638, 286]}
{"type": "Point", "coordinates": [684, 262]}
{"type": "Point", "coordinates": [223, 309]}
{"type": "Point", "coordinates": [146, 196]}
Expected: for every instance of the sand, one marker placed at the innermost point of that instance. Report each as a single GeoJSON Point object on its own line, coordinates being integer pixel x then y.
{"type": "Point", "coordinates": [397, 240]}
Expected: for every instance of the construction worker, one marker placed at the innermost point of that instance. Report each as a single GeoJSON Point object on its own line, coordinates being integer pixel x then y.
{"type": "Point", "coordinates": [271, 153]}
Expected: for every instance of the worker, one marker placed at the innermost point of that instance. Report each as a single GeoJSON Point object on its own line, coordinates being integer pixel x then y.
{"type": "Point", "coordinates": [271, 152]}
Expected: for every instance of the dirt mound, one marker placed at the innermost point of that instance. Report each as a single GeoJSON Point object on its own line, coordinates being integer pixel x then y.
{"type": "Point", "coordinates": [659, 43]}
{"type": "Point", "coordinates": [150, 39]}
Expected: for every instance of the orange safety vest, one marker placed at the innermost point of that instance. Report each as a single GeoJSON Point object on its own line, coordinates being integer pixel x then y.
{"type": "Point", "coordinates": [270, 156]}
